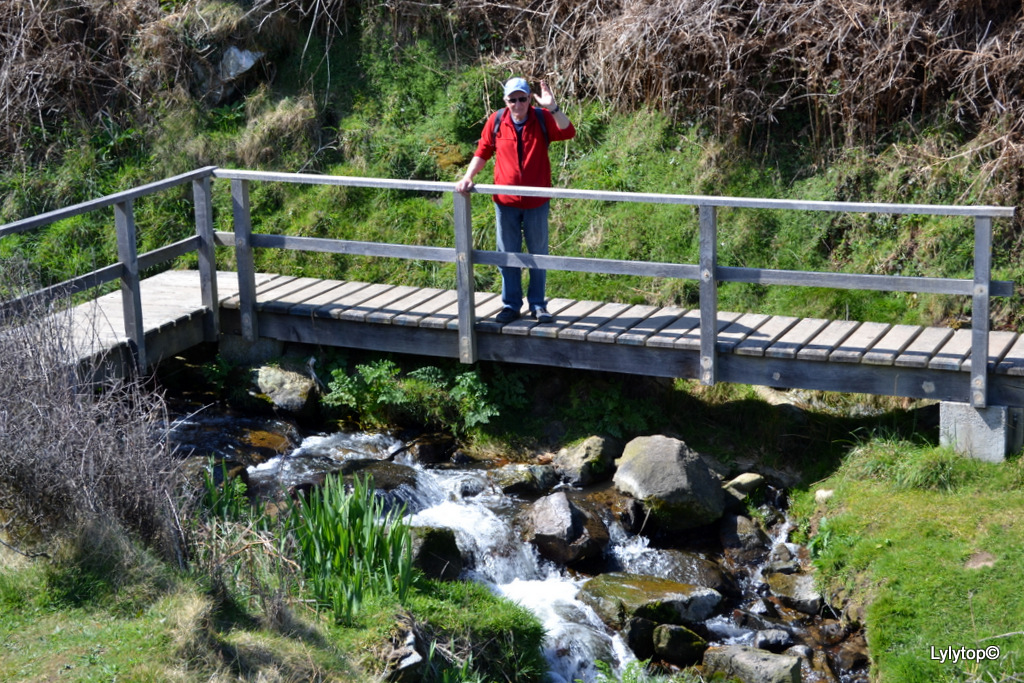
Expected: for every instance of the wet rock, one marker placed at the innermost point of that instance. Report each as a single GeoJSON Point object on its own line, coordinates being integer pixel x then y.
{"type": "Point", "coordinates": [672, 481]}
{"type": "Point", "coordinates": [773, 640]}
{"type": "Point", "coordinates": [852, 654]}
{"type": "Point", "coordinates": [828, 632]}
{"type": "Point", "coordinates": [821, 671]}
{"type": "Point", "coordinates": [781, 561]}
{"type": "Point", "coordinates": [564, 531]}
{"type": "Point", "coordinates": [431, 449]}
{"type": "Point", "coordinates": [525, 479]}
{"type": "Point", "coordinates": [737, 489]}
{"type": "Point", "coordinates": [800, 650]}
{"type": "Point", "coordinates": [406, 661]}
{"type": "Point", "coordinates": [639, 636]}
{"type": "Point", "coordinates": [679, 565]}
{"type": "Point", "coordinates": [739, 532]}
{"type": "Point", "coordinates": [436, 553]}
{"type": "Point", "coordinates": [678, 645]}
{"type": "Point", "coordinates": [751, 665]}
{"type": "Point", "coordinates": [288, 390]}
{"type": "Point", "coordinates": [796, 591]}
{"type": "Point", "coordinates": [617, 597]}
{"type": "Point", "coordinates": [589, 462]}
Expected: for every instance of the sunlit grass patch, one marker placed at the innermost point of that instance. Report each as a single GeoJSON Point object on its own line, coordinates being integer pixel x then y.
{"type": "Point", "coordinates": [931, 543]}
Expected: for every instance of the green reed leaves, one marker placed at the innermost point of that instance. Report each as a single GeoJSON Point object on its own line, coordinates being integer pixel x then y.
{"type": "Point", "coordinates": [351, 546]}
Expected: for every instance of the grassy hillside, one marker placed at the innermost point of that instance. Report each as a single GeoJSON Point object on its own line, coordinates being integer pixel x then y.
{"type": "Point", "coordinates": [863, 101]}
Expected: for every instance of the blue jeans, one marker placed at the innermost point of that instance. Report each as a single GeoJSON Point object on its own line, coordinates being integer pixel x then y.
{"type": "Point", "coordinates": [513, 226]}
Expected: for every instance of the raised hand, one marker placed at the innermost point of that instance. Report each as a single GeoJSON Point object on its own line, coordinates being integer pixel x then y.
{"type": "Point", "coordinates": [545, 98]}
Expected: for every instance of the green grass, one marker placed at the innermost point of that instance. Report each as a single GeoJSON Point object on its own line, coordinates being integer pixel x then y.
{"type": "Point", "coordinates": [898, 534]}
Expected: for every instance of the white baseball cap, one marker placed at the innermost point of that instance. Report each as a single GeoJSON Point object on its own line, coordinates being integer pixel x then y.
{"type": "Point", "coordinates": [516, 85]}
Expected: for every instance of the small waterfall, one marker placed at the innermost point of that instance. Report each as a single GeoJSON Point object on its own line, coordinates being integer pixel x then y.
{"type": "Point", "coordinates": [467, 500]}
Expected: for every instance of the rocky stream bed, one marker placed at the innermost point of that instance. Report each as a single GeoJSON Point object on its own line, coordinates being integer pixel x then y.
{"type": "Point", "coordinates": [640, 550]}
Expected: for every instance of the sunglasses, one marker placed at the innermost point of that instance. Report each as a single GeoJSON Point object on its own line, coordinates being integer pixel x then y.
{"type": "Point", "coordinates": [510, 100]}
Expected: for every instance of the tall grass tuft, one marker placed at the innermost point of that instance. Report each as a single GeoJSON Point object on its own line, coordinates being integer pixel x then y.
{"type": "Point", "coordinates": [351, 547]}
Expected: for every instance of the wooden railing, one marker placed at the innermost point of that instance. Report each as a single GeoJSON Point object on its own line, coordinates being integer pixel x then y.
{"type": "Point", "coordinates": [707, 271]}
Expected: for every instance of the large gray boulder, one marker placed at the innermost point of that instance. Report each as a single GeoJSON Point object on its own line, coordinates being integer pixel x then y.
{"type": "Point", "coordinates": [617, 597]}
{"type": "Point", "coordinates": [751, 665]}
{"type": "Point", "coordinates": [565, 531]}
{"type": "Point", "coordinates": [674, 484]}
{"type": "Point", "coordinates": [586, 463]}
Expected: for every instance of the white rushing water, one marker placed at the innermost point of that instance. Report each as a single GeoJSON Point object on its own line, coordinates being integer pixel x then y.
{"type": "Point", "coordinates": [482, 519]}
{"type": "Point", "coordinates": [576, 637]}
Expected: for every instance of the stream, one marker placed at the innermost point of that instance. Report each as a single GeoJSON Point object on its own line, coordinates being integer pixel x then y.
{"type": "Point", "coordinates": [471, 500]}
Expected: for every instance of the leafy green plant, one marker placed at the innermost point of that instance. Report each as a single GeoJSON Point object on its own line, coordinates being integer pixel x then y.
{"type": "Point", "coordinates": [383, 396]}
{"type": "Point", "coordinates": [350, 547]}
{"type": "Point", "coordinates": [227, 500]}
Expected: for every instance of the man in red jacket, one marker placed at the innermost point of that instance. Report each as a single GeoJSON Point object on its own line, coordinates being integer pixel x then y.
{"type": "Point", "coordinates": [520, 151]}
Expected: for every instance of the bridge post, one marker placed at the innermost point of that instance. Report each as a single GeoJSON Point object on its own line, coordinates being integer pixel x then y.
{"type": "Point", "coordinates": [464, 281]}
{"type": "Point", "coordinates": [980, 310]}
{"type": "Point", "coordinates": [708, 294]}
{"type": "Point", "coordinates": [244, 259]}
{"type": "Point", "coordinates": [207, 256]}
{"type": "Point", "coordinates": [131, 298]}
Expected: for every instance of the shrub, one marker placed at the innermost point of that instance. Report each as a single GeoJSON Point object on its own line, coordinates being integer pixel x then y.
{"type": "Point", "coordinates": [77, 449]}
{"type": "Point", "coordinates": [384, 397]}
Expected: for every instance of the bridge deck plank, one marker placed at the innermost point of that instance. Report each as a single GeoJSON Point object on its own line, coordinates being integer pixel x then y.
{"type": "Point", "coordinates": [667, 336]}
{"type": "Point", "coordinates": [427, 308]}
{"type": "Point", "coordinates": [579, 329]}
{"type": "Point", "coordinates": [1012, 363]}
{"type": "Point", "coordinates": [523, 325]}
{"type": "Point", "coordinates": [626, 321]}
{"type": "Point", "coordinates": [658, 320]}
{"type": "Point", "coordinates": [409, 303]}
{"type": "Point", "coordinates": [327, 295]}
{"type": "Point", "coordinates": [853, 348]}
{"type": "Point", "coordinates": [891, 345]}
{"type": "Point", "coordinates": [690, 340]}
{"type": "Point", "coordinates": [740, 329]}
{"type": "Point", "coordinates": [289, 293]}
{"type": "Point", "coordinates": [796, 338]}
{"type": "Point", "coordinates": [922, 348]}
{"type": "Point", "coordinates": [999, 343]}
{"type": "Point", "coordinates": [821, 346]}
{"type": "Point", "coordinates": [952, 354]}
{"type": "Point", "coordinates": [383, 300]}
{"type": "Point", "coordinates": [564, 318]}
{"type": "Point", "coordinates": [765, 335]}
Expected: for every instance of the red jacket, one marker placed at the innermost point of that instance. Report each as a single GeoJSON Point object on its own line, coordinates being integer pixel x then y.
{"type": "Point", "coordinates": [535, 169]}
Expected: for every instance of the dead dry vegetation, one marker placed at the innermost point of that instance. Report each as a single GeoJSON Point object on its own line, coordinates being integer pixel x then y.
{"type": "Point", "coordinates": [846, 71]}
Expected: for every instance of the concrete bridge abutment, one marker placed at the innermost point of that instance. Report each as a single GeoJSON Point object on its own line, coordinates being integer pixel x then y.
{"type": "Point", "coordinates": [990, 434]}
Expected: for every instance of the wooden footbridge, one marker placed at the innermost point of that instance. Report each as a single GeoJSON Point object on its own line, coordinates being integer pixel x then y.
{"type": "Point", "coordinates": [148, 319]}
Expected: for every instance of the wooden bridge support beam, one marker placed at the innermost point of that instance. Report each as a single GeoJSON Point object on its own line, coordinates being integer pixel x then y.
{"type": "Point", "coordinates": [128, 255]}
{"type": "Point", "coordinates": [203, 200]}
{"type": "Point", "coordinates": [980, 310]}
{"type": "Point", "coordinates": [464, 281]}
{"type": "Point", "coordinates": [708, 294]}
{"type": "Point", "coordinates": [244, 260]}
